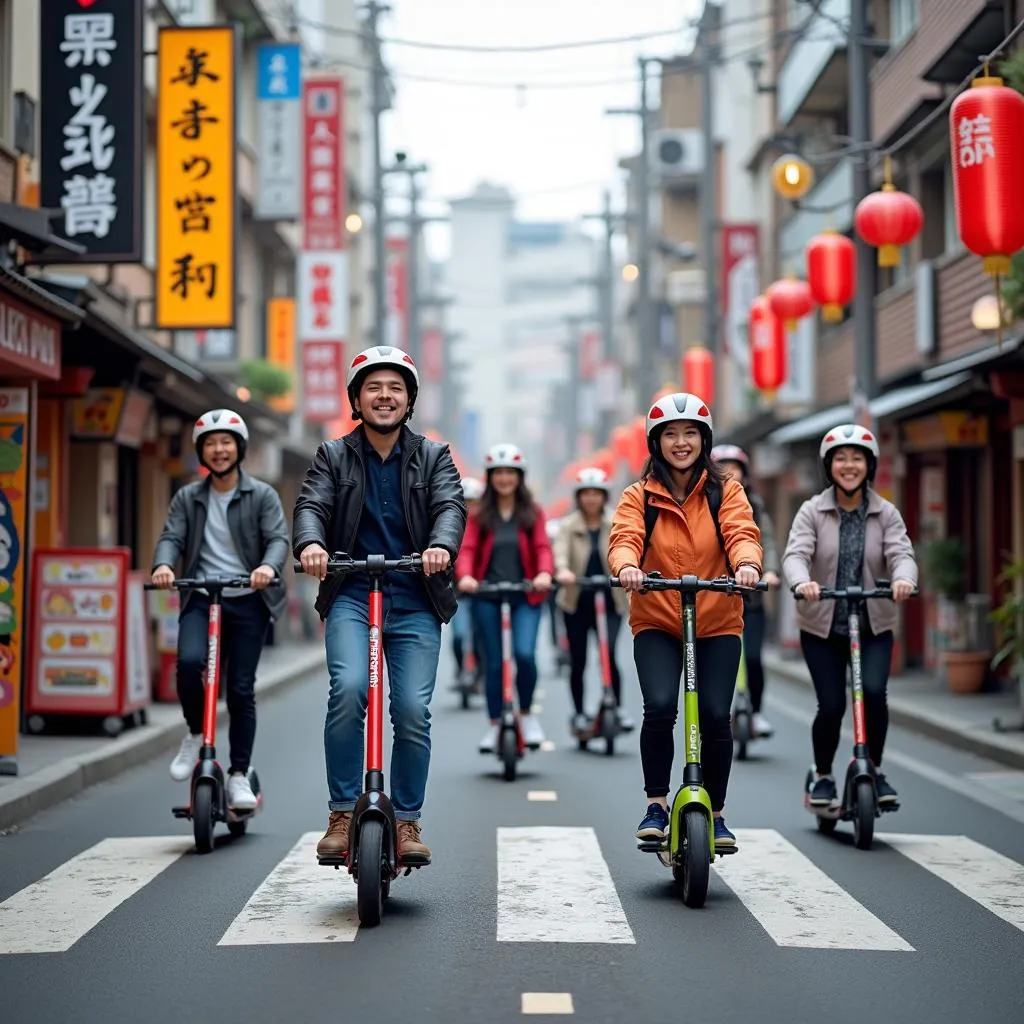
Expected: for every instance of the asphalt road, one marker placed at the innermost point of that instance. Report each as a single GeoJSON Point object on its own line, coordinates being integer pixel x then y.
{"type": "Point", "coordinates": [513, 916]}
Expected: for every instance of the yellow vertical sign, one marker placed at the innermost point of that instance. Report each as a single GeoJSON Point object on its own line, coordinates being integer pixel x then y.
{"type": "Point", "coordinates": [196, 195]}
{"type": "Point", "coordinates": [281, 345]}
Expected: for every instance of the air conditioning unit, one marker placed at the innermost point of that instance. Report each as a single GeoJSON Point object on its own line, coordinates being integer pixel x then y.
{"type": "Point", "coordinates": [677, 153]}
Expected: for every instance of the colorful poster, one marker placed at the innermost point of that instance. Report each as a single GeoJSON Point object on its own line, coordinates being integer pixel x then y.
{"type": "Point", "coordinates": [14, 439]}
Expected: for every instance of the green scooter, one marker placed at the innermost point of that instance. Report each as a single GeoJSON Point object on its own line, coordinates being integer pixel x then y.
{"type": "Point", "coordinates": [690, 847]}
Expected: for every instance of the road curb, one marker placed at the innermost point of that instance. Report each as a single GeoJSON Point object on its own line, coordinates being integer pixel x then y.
{"type": "Point", "coordinates": [58, 782]}
{"type": "Point", "coordinates": [914, 719]}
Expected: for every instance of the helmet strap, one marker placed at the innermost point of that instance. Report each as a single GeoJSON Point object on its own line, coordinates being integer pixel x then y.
{"type": "Point", "coordinates": [224, 473]}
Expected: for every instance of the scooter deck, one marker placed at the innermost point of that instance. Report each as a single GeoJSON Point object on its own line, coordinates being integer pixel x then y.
{"type": "Point", "coordinates": [846, 813]}
{"type": "Point", "coordinates": [661, 846]}
{"type": "Point", "coordinates": [407, 864]}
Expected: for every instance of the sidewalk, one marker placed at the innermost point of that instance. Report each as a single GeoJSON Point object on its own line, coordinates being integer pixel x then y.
{"type": "Point", "coordinates": [53, 768]}
{"type": "Point", "coordinates": [923, 704]}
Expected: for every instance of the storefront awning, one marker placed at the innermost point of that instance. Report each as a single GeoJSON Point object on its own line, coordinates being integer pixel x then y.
{"type": "Point", "coordinates": [900, 400]}
{"type": "Point", "coordinates": [980, 357]}
{"type": "Point", "coordinates": [46, 302]}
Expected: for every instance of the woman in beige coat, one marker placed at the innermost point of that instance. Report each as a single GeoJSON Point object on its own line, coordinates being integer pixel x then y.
{"type": "Point", "coordinates": [848, 535]}
{"type": "Point", "coordinates": [581, 549]}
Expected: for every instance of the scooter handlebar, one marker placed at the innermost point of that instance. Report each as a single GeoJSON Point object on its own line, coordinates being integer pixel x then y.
{"type": "Point", "coordinates": [484, 587]}
{"type": "Point", "coordinates": [593, 582]}
{"type": "Point", "coordinates": [882, 589]}
{"type": "Point", "coordinates": [375, 564]}
{"type": "Point", "coordinates": [211, 583]}
{"type": "Point", "coordinates": [722, 585]}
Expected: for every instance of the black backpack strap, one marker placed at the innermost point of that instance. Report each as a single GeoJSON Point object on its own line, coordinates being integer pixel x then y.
{"type": "Point", "coordinates": [650, 518]}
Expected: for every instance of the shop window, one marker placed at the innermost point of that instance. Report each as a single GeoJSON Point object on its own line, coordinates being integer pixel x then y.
{"type": "Point", "coordinates": [903, 16]}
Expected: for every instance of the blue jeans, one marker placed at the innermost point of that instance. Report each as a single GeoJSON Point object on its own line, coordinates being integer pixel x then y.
{"type": "Point", "coordinates": [411, 645]}
{"type": "Point", "coordinates": [525, 624]}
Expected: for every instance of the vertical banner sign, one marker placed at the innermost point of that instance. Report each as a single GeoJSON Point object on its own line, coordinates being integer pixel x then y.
{"type": "Point", "coordinates": [740, 285]}
{"type": "Point", "coordinates": [279, 115]}
{"type": "Point", "coordinates": [397, 281]}
{"type": "Point", "coordinates": [590, 354]}
{"type": "Point", "coordinates": [197, 218]}
{"type": "Point", "coordinates": [14, 441]}
{"type": "Point", "coordinates": [91, 123]}
{"type": "Point", "coordinates": [323, 212]}
{"type": "Point", "coordinates": [322, 284]}
{"type": "Point", "coordinates": [281, 346]}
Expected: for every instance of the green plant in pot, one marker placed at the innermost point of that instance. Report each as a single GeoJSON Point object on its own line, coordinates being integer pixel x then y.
{"type": "Point", "coordinates": [265, 380]}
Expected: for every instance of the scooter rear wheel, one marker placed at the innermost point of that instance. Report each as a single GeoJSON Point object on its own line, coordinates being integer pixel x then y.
{"type": "Point", "coordinates": [370, 867]}
{"type": "Point", "coordinates": [202, 816]}
{"type": "Point", "coordinates": [509, 753]}
{"type": "Point", "coordinates": [827, 825]}
{"type": "Point", "coordinates": [694, 874]}
{"type": "Point", "coordinates": [864, 816]}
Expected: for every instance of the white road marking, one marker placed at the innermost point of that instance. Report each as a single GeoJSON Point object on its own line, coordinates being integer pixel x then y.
{"type": "Point", "coordinates": [547, 746]}
{"type": "Point", "coordinates": [298, 902]}
{"type": "Point", "coordinates": [536, 709]}
{"type": "Point", "coordinates": [542, 795]}
{"type": "Point", "coordinates": [51, 915]}
{"type": "Point", "coordinates": [547, 1003]}
{"type": "Point", "coordinates": [554, 886]}
{"type": "Point", "coordinates": [795, 902]}
{"type": "Point", "coordinates": [987, 877]}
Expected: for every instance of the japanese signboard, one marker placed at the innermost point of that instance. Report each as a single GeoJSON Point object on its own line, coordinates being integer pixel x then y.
{"type": "Point", "coordinates": [740, 285]}
{"type": "Point", "coordinates": [323, 380]}
{"type": "Point", "coordinates": [323, 213]}
{"type": "Point", "coordinates": [397, 282]}
{"type": "Point", "coordinates": [279, 113]}
{"type": "Point", "coordinates": [91, 124]}
{"type": "Point", "coordinates": [322, 284]}
{"type": "Point", "coordinates": [196, 196]}
{"type": "Point", "coordinates": [29, 341]}
{"type": "Point", "coordinates": [281, 345]}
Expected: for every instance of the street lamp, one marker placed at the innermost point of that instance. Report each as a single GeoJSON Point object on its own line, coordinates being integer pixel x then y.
{"type": "Point", "coordinates": [630, 272]}
{"type": "Point", "coordinates": [353, 223]}
{"type": "Point", "coordinates": [792, 176]}
{"type": "Point", "coordinates": [987, 314]}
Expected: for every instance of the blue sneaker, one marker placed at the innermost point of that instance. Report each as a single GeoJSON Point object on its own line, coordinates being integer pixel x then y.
{"type": "Point", "coordinates": [723, 837]}
{"type": "Point", "coordinates": [655, 823]}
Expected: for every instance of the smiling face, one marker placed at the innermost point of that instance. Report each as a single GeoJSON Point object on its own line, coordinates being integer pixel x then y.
{"type": "Point", "coordinates": [680, 445]}
{"type": "Point", "coordinates": [220, 451]}
{"type": "Point", "coordinates": [383, 400]}
{"type": "Point", "coordinates": [504, 482]}
{"type": "Point", "coordinates": [849, 467]}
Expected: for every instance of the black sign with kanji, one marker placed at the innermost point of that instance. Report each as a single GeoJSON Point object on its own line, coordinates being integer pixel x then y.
{"type": "Point", "coordinates": [91, 116]}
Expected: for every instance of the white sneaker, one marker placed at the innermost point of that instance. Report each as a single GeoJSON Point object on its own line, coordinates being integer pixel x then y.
{"type": "Point", "coordinates": [185, 759]}
{"type": "Point", "coordinates": [533, 734]}
{"type": "Point", "coordinates": [489, 744]}
{"type": "Point", "coordinates": [762, 727]}
{"type": "Point", "coordinates": [239, 794]}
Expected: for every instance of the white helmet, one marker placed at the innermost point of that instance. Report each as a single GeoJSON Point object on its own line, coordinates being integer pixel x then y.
{"type": "Point", "coordinates": [505, 456]}
{"type": "Point", "coordinates": [730, 453]}
{"type": "Point", "coordinates": [847, 435]}
{"type": "Point", "coordinates": [680, 406]}
{"type": "Point", "coordinates": [221, 421]}
{"type": "Point", "coordinates": [592, 477]}
{"type": "Point", "coordinates": [472, 489]}
{"type": "Point", "coordinates": [378, 358]}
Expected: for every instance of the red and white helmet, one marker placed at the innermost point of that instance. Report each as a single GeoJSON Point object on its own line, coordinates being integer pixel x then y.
{"type": "Point", "coordinates": [505, 456]}
{"type": "Point", "coordinates": [730, 453]}
{"type": "Point", "coordinates": [592, 478]}
{"type": "Point", "coordinates": [680, 406]}
{"type": "Point", "coordinates": [221, 421]}
{"type": "Point", "coordinates": [848, 435]}
{"type": "Point", "coordinates": [472, 489]}
{"type": "Point", "coordinates": [382, 357]}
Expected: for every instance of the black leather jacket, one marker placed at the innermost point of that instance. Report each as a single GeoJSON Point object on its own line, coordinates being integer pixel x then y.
{"type": "Point", "coordinates": [330, 505]}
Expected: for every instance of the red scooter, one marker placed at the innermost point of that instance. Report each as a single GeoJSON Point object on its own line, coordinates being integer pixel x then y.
{"type": "Point", "coordinates": [373, 836]}
{"type": "Point", "coordinates": [207, 794]}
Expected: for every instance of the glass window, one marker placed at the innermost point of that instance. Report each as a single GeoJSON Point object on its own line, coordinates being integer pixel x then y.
{"type": "Point", "coordinates": [902, 19]}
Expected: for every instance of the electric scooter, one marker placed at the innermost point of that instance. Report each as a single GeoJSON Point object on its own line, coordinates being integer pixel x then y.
{"type": "Point", "coordinates": [690, 847]}
{"type": "Point", "coordinates": [372, 858]}
{"type": "Point", "coordinates": [605, 724]}
{"type": "Point", "coordinates": [468, 682]}
{"type": "Point", "coordinates": [742, 710]}
{"type": "Point", "coordinates": [859, 802]}
{"type": "Point", "coordinates": [207, 793]}
{"type": "Point", "coordinates": [510, 746]}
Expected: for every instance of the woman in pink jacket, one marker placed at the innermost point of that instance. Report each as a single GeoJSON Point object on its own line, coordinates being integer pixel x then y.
{"type": "Point", "coordinates": [507, 541]}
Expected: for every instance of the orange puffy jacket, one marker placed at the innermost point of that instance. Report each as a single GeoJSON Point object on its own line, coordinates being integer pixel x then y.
{"type": "Point", "coordinates": [683, 543]}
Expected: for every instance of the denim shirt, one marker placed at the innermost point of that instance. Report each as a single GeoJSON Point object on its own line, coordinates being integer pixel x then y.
{"type": "Point", "coordinates": [383, 530]}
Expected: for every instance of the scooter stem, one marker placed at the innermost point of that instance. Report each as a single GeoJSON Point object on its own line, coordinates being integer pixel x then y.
{"type": "Point", "coordinates": [692, 774]}
{"type": "Point", "coordinates": [601, 615]}
{"type": "Point", "coordinates": [212, 669]}
{"type": "Point", "coordinates": [859, 728]}
{"type": "Point", "coordinates": [375, 699]}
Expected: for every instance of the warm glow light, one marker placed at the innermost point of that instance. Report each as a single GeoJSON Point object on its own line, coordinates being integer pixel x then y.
{"type": "Point", "coordinates": [792, 176]}
{"type": "Point", "coordinates": [985, 314]}
{"type": "Point", "coordinates": [792, 173]}
{"type": "Point", "coordinates": [630, 272]}
{"type": "Point", "coordinates": [353, 223]}
{"type": "Point", "coordinates": [244, 394]}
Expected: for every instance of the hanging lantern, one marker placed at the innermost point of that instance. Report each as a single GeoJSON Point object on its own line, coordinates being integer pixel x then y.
{"type": "Point", "coordinates": [888, 219]}
{"type": "Point", "coordinates": [791, 300]}
{"type": "Point", "coordinates": [831, 273]}
{"type": "Point", "coordinates": [986, 124]}
{"type": "Point", "coordinates": [767, 348]}
{"type": "Point", "coordinates": [699, 373]}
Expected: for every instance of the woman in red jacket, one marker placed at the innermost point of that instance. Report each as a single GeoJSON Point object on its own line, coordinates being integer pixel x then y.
{"type": "Point", "coordinates": [506, 541]}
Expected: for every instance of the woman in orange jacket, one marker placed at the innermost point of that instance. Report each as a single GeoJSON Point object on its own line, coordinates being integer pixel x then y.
{"type": "Point", "coordinates": [684, 485]}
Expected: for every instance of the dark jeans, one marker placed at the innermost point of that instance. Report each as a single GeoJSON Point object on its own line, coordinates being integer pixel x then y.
{"type": "Point", "coordinates": [827, 661]}
{"type": "Point", "coordinates": [754, 622]}
{"type": "Point", "coordinates": [487, 633]}
{"type": "Point", "coordinates": [578, 626]}
{"type": "Point", "coordinates": [659, 665]}
{"type": "Point", "coordinates": [243, 631]}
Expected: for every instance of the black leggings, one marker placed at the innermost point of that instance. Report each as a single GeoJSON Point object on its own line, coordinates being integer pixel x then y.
{"type": "Point", "coordinates": [827, 661]}
{"type": "Point", "coordinates": [754, 620]}
{"type": "Point", "coordinates": [659, 664]}
{"type": "Point", "coordinates": [578, 625]}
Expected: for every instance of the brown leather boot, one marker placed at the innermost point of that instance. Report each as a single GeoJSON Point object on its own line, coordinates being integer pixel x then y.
{"type": "Point", "coordinates": [411, 847]}
{"type": "Point", "coordinates": [335, 840]}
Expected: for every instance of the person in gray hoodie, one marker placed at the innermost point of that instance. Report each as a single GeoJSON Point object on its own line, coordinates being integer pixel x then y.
{"type": "Point", "coordinates": [848, 535]}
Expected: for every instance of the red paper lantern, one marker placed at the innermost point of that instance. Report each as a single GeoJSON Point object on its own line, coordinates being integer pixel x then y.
{"type": "Point", "coordinates": [888, 219]}
{"type": "Point", "coordinates": [699, 373]}
{"type": "Point", "coordinates": [831, 273]}
{"type": "Point", "coordinates": [767, 347]}
{"type": "Point", "coordinates": [986, 124]}
{"type": "Point", "coordinates": [790, 300]}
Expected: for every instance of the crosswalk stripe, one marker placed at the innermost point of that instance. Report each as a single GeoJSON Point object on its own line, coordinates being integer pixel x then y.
{"type": "Point", "coordinates": [987, 877]}
{"type": "Point", "coordinates": [795, 902]}
{"type": "Point", "coordinates": [51, 915]}
{"type": "Point", "coordinates": [554, 886]}
{"type": "Point", "coordinates": [298, 902]}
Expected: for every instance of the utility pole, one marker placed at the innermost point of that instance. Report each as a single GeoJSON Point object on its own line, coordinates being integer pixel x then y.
{"type": "Point", "coordinates": [373, 12]}
{"type": "Point", "coordinates": [574, 322]}
{"type": "Point", "coordinates": [859, 86]}
{"type": "Point", "coordinates": [709, 179]}
{"type": "Point", "coordinates": [412, 269]}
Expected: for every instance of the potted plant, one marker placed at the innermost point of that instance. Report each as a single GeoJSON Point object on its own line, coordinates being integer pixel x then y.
{"type": "Point", "coordinates": [265, 380]}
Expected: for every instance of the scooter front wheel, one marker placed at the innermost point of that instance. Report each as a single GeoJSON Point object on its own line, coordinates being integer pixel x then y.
{"type": "Point", "coordinates": [864, 815]}
{"type": "Point", "coordinates": [509, 753]}
{"type": "Point", "coordinates": [202, 815]}
{"type": "Point", "coordinates": [742, 732]}
{"type": "Point", "coordinates": [370, 868]}
{"type": "Point", "coordinates": [694, 874]}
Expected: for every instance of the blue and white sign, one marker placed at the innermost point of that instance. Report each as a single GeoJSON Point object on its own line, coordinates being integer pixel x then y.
{"type": "Point", "coordinates": [279, 113]}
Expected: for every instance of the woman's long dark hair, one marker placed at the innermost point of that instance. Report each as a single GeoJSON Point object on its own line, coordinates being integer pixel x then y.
{"type": "Point", "coordinates": [657, 467]}
{"type": "Point", "coordinates": [524, 513]}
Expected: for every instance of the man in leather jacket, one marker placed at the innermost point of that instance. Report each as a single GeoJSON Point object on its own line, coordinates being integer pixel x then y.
{"type": "Point", "coordinates": [381, 489]}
